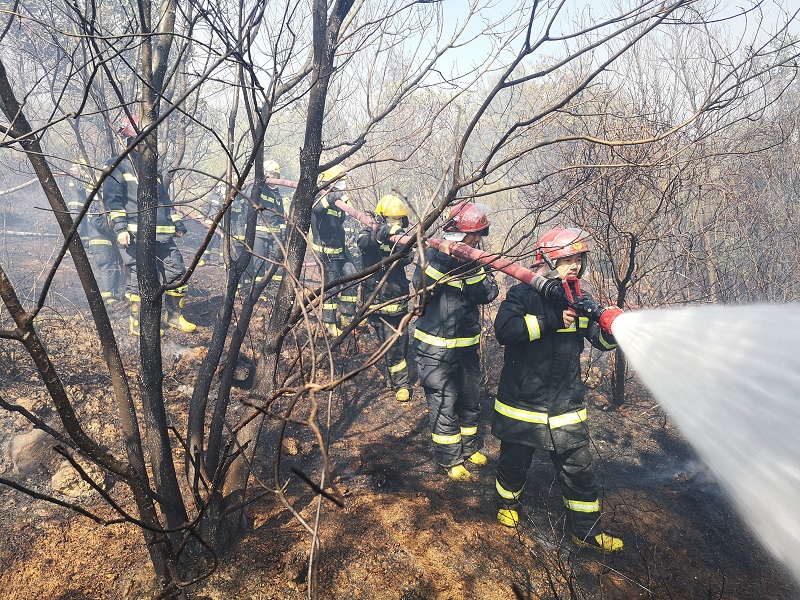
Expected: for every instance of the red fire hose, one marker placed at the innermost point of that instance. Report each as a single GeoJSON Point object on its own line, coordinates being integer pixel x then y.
{"type": "Point", "coordinates": [457, 249]}
{"type": "Point", "coordinates": [550, 288]}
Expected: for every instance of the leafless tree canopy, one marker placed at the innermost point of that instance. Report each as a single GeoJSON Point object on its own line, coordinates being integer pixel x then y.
{"type": "Point", "coordinates": [668, 130]}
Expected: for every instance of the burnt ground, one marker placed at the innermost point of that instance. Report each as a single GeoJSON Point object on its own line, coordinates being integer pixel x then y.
{"type": "Point", "coordinates": [405, 531]}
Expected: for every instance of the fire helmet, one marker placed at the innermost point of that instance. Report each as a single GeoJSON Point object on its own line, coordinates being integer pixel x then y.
{"type": "Point", "coordinates": [561, 242]}
{"type": "Point", "coordinates": [468, 217]}
{"type": "Point", "coordinates": [336, 172]}
{"type": "Point", "coordinates": [129, 126]}
{"type": "Point", "coordinates": [391, 206]}
{"type": "Point", "coordinates": [270, 166]}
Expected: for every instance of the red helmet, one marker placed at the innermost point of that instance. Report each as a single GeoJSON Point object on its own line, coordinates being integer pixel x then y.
{"type": "Point", "coordinates": [128, 127]}
{"type": "Point", "coordinates": [561, 242]}
{"type": "Point", "coordinates": [468, 217]}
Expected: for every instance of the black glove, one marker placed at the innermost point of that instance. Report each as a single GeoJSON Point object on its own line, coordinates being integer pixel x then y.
{"type": "Point", "coordinates": [588, 308]}
{"type": "Point", "coordinates": [383, 233]}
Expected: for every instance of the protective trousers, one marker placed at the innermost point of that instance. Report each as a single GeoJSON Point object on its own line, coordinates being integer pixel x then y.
{"type": "Point", "coordinates": [169, 263]}
{"type": "Point", "coordinates": [258, 266]}
{"type": "Point", "coordinates": [395, 358]}
{"type": "Point", "coordinates": [107, 269]}
{"type": "Point", "coordinates": [451, 380]}
{"type": "Point", "coordinates": [576, 478]}
{"type": "Point", "coordinates": [340, 299]}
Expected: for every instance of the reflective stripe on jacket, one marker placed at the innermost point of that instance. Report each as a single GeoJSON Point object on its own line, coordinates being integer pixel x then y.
{"type": "Point", "coordinates": [327, 225]}
{"type": "Point", "coordinates": [452, 317]}
{"type": "Point", "coordinates": [120, 195]}
{"type": "Point", "coordinates": [396, 284]}
{"type": "Point", "coordinates": [540, 394]}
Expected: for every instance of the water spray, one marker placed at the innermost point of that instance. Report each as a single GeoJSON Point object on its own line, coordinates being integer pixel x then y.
{"type": "Point", "coordinates": [729, 377]}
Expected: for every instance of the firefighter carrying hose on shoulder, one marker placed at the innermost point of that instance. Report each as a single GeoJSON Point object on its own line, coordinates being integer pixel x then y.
{"type": "Point", "coordinates": [448, 337]}
{"type": "Point", "coordinates": [330, 245]}
{"type": "Point", "coordinates": [540, 394]}
{"type": "Point", "coordinates": [120, 194]}
{"type": "Point", "coordinates": [390, 304]}
{"type": "Point", "coordinates": [270, 226]}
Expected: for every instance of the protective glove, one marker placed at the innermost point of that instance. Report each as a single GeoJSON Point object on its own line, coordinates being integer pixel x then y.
{"type": "Point", "coordinates": [384, 232]}
{"type": "Point", "coordinates": [602, 316]}
{"type": "Point", "coordinates": [588, 308]}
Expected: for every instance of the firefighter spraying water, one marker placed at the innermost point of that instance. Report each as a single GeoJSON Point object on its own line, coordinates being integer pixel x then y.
{"type": "Point", "coordinates": [740, 412]}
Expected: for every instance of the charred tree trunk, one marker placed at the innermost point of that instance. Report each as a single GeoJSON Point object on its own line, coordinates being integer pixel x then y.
{"type": "Point", "coordinates": [134, 474]}
{"type": "Point", "coordinates": [325, 39]}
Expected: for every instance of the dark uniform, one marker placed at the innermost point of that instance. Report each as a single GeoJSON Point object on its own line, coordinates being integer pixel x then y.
{"type": "Point", "coordinates": [239, 217]}
{"type": "Point", "coordinates": [540, 403]}
{"type": "Point", "coordinates": [385, 320]}
{"type": "Point", "coordinates": [270, 224]}
{"type": "Point", "coordinates": [327, 226]}
{"type": "Point", "coordinates": [120, 196]}
{"type": "Point", "coordinates": [97, 239]}
{"type": "Point", "coordinates": [211, 205]}
{"type": "Point", "coordinates": [448, 336]}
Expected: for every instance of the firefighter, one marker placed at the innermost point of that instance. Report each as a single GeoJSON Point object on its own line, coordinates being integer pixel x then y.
{"type": "Point", "coordinates": [390, 304]}
{"type": "Point", "coordinates": [327, 226]}
{"type": "Point", "coordinates": [448, 336]}
{"type": "Point", "coordinates": [540, 395]}
{"type": "Point", "coordinates": [95, 234]}
{"type": "Point", "coordinates": [270, 226]}
{"type": "Point", "coordinates": [76, 196]}
{"type": "Point", "coordinates": [211, 205]}
{"type": "Point", "coordinates": [120, 196]}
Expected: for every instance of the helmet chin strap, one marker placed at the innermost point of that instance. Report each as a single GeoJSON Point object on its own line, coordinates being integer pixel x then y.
{"type": "Point", "coordinates": [548, 260]}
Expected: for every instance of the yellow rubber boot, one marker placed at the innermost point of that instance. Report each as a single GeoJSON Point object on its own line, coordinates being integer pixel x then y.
{"type": "Point", "coordinates": [458, 473]}
{"type": "Point", "coordinates": [403, 395]}
{"type": "Point", "coordinates": [135, 302]}
{"type": "Point", "coordinates": [134, 318]}
{"type": "Point", "coordinates": [508, 517]}
{"type": "Point", "coordinates": [602, 542]}
{"type": "Point", "coordinates": [478, 459]}
{"type": "Point", "coordinates": [173, 316]}
{"type": "Point", "coordinates": [333, 329]}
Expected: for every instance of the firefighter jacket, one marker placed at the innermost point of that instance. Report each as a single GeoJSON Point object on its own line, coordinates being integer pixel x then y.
{"type": "Point", "coordinates": [211, 206]}
{"type": "Point", "coordinates": [76, 198]}
{"type": "Point", "coordinates": [120, 195]}
{"type": "Point", "coordinates": [327, 226]}
{"type": "Point", "coordinates": [374, 251]}
{"type": "Point", "coordinates": [451, 318]}
{"type": "Point", "coordinates": [272, 218]}
{"type": "Point", "coordinates": [94, 227]}
{"type": "Point", "coordinates": [540, 395]}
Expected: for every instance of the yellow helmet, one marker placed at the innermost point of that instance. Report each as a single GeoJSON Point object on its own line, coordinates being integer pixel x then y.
{"type": "Point", "coordinates": [335, 172]}
{"type": "Point", "coordinates": [270, 166]}
{"type": "Point", "coordinates": [391, 206]}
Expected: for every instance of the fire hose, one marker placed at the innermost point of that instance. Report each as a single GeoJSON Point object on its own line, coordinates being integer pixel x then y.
{"type": "Point", "coordinates": [568, 292]}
